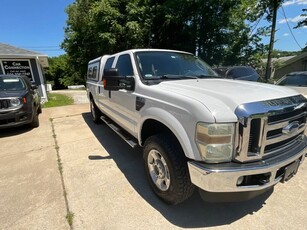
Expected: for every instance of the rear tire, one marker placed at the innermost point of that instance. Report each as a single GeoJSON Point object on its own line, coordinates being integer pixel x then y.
{"type": "Point", "coordinates": [95, 112]}
{"type": "Point", "coordinates": [166, 169]}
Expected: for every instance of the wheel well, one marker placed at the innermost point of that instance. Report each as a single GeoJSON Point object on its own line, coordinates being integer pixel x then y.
{"type": "Point", "coordinates": [152, 127]}
{"type": "Point", "coordinates": [90, 96]}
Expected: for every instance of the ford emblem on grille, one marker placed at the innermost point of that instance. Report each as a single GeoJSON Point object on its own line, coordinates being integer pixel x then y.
{"type": "Point", "coordinates": [291, 128]}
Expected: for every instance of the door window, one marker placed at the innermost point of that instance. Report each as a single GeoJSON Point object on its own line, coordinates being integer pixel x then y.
{"type": "Point", "coordinates": [124, 65]}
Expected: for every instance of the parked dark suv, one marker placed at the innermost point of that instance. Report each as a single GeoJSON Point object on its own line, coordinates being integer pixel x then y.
{"type": "Point", "coordinates": [246, 73]}
{"type": "Point", "coordinates": [296, 81]}
{"type": "Point", "coordinates": [19, 102]}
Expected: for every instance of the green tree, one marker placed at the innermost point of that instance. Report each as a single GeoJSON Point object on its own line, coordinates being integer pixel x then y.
{"type": "Point", "coordinates": [57, 70]}
{"type": "Point", "coordinates": [220, 31]}
{"type": "Point", "coordinates": [59, 74]}
{"type": "Point", "coordinates": [216, 30]}
{"type": "Point", "coordinates": [303, 22]}
{"type": "Point", "coordinates": [97, 27]}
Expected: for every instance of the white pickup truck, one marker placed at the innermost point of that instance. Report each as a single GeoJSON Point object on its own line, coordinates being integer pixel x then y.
{"type": "Point", "coordinates": [196, 129]}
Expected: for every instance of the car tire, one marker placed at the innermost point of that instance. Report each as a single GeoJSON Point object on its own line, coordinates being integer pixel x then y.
{"type": "Point", "coordinates": [95, 112]}
{"type": "Point", "coordinates": [35, 121]}
{"type": "Point", "coordinates": [39, 110]}
{"type": "Point", "coordinates": [166, 169]}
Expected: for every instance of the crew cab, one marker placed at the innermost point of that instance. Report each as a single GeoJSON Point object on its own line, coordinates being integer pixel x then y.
{"type": "Point", "coordinates": [196, 129]}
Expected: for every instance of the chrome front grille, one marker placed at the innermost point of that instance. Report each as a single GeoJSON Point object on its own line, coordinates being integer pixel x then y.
{"type": "Point", "coordinates": [268, 128]}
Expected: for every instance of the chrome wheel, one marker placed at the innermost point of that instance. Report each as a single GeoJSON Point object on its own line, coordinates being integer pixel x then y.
{"type": "Point", "coordinates": [158, 170]}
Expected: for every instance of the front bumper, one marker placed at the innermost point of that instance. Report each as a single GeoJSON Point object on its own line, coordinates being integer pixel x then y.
{"type": "Point", "coordinates": [224, 177]}
{"type": "Point", "coordinates": [15, 118]}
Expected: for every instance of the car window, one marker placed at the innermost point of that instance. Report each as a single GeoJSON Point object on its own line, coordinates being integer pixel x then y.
{"type": "Point", "coordinates": [94, 72]}
{"type": "Point", "coordinates": [293, 80]}
{"type": "Point", "coordinates": [158, 64]}
{"type": "Point", "coordinates": [12, 84]}
{"type": "Point", "coordinates": [124, 65]}
{"type": "Point", "coordinates": [90, 72]}
{"type": "Point", "coordinates": [109, 63]}
{"type": "Point", "coordinates": [243, 71]}
{"type": "Point", "coordinates": [250, 70]}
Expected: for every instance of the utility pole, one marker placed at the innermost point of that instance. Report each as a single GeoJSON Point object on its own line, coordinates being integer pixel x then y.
{"type": "Point", "coordinates": [268, 65]}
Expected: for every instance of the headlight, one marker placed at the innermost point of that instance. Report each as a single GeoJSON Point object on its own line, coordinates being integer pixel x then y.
{"type": "Point", "coordinates": [15, 102]}
{"type": "Point", "coordinates": [215, 141]}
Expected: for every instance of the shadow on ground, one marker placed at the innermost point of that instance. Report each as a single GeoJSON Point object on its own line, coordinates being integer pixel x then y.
{"type": "Point", "coordinates": [193, 213]}
{"type": "Point", "coordinates": [14, 131]}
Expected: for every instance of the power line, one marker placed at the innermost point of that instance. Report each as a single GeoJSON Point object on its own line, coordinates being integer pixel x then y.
{"type": "Point", "coordinates": [46, 49]}
{"type": "Point", "coordinates": [34, 47]}
{"type": "Point", "coordinates": [255, 26]}
{"type": "Point", "coordinates": [289, 26]}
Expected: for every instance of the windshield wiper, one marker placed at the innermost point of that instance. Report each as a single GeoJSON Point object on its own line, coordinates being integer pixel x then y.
{"type": "Point", "coordinates": [208, 76]}
{"type": "Point", "coordinates": [171, 76]}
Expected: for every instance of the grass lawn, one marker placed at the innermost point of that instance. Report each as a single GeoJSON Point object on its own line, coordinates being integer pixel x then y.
{"type": "Point", "coordinates": [55, 99]}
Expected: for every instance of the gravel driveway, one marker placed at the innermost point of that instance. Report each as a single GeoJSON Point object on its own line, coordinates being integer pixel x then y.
{"type": "Point", "coordinates": [79, 96]}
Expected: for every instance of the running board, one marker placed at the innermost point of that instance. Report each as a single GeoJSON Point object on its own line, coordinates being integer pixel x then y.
{"type": "Point", "coordinates": [122, 133]}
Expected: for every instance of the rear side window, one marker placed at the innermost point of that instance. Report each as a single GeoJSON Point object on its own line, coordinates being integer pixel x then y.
{"type": "Point", "coordinates": [237, 72]}
{"type": "Point", "coordinates": [240, 72]}
{"type": "Point", "coordinates": [94, 75]}
{"type": "Point", "coordinates": [124, 65]}
{"type": "Point", "coordinates": [90, 72]}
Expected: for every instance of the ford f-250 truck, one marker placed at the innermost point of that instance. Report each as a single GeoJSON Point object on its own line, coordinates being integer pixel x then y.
{"type": "Point", "coordinates": [196, 129]}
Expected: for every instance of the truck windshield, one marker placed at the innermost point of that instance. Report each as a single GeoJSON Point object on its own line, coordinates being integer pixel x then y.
{"type": "Point", "coordinates": [11, 84]}
{"type": "Point", "coordinates": [172, 65]}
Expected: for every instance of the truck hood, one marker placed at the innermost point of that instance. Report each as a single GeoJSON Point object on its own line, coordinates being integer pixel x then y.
{"type": "Point", "coordinates": [302, 90]}
{"type": "Point", "coordinates": [222, 96]}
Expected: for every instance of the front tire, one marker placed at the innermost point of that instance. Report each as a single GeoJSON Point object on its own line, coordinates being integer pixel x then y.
{"type": "Point", "coordinates": [35, 121]}
{"type": "Point", "coordinates": [166, 169]}
{"type": "Point", "coordinates": [95, 112]}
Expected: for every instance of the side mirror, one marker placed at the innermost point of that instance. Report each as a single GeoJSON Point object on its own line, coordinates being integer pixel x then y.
{"type": "Point", "coordinates": [112, 81]}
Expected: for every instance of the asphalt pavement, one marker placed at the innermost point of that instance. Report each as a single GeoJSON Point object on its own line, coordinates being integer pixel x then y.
{"type": "Point", "coordinates": [106, 188]}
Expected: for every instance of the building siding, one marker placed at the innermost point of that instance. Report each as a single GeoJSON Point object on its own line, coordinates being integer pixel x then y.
{"type": "Point", "coordinates": [299, 65]}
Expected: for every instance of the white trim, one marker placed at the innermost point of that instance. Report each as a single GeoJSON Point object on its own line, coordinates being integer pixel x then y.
{"type": "Point", "coordinates": [41, 77]}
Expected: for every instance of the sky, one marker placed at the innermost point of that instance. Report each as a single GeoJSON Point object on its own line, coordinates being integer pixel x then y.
{"type": "Point", "coordinates": [290, 12]}
{"type": "Point", "coordinates": [38, 25]}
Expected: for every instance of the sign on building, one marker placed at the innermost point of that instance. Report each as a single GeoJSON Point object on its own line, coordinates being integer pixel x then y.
{"type": "Point", "coordinates": [17, 67]}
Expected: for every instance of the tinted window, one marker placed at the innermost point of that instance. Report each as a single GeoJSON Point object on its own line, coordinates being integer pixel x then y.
{"type": "Point", "coordinates": [12, 84]}
{"type": "Point", "coordinates": [94, 72]}
{"type": "Point", "coordinates": [109, 63]}
{"type": "Point", "coordinates": [124, 65]}
{"type": "Point", "coordinates": [240, 72]}
{"type": "Point", "coordinates": [90, 72]}
{"type": "Point", "coordinates": [294, 80]}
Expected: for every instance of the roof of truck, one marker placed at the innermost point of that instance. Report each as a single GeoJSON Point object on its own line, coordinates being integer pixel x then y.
{"type": "Point", "coordinates": [150, 49]}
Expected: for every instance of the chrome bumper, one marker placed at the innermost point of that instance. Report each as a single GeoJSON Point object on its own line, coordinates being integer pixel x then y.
{"type": "Point", "coordinates": [224, 177]}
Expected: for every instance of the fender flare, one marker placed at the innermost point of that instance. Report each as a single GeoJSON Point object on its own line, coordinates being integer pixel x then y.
{"type": "Point", "coordinates": [173, 124]}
